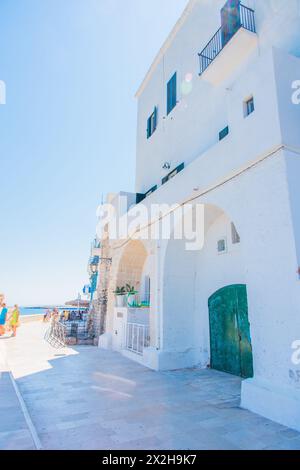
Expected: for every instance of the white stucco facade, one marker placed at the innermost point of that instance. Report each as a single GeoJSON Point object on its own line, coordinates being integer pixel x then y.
{"type": "Point", "coordinates": [249, 179]}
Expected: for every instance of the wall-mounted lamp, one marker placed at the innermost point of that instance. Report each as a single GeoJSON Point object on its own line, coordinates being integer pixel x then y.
{"type": "Point", "coordinates": [166, 166]}
{"type": "Point", "coordinates": [94, 268]}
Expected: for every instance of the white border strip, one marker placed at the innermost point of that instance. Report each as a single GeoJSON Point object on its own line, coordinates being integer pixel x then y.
{"type": "Point", "coordinates": [5, 366]}
{"type": "Point", "coordinates": [28, 420]}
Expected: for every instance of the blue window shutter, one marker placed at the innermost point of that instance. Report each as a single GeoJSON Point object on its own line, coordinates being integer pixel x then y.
{"type": "Point", "coordinates": [152, 123]}
{"type": "Point", "coordinates": [224, 133]}
{"type": "Point", "coordinates": [174, 90]}
{"type": "Point", "coordinates": [172, 93]}
{"type": "Point", "coordinates": [148, 128]}
{"type": "Point", "coordinates": [168, 97]}
{"type": "Point", "coordinates": [155, 119]}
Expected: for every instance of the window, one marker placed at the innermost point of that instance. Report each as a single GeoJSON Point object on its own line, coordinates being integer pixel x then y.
{"type": "Point", "coordinates": [222, 246]}
{"type": "Point", "coordinates": [235, 238]}
{"type": "Point", "coordinates": [140, 197]}
{"type": "Point", "coordinates": [249, 106]}
{"type": "Point", "coordinates": [223, 133]}
{"type": "Point", "coordinates": [172, 93]}
{"type": "Point", "coordinates": [173, 173]}
{"type": "Point", "coordinates": [152, 123]}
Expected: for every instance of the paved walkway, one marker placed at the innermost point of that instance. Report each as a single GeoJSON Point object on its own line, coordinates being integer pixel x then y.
{"type": "Point", "coordinates": [85, 398]}
{"type": "Point", "coordinates": [14, 431]}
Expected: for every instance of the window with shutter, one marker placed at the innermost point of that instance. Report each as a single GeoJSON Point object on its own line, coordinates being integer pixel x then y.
{"type": "Point", "coordinates": [249, 107]}
{"type": "Point", "coordinates": [152, 123]}
{"type": "Point", "coordinates": [172, 93]}
{"type": "Point", "coordinates": [224, 133]}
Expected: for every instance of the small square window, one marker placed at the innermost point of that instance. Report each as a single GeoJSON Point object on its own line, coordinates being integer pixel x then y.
{"type": "Point", "coordinates": [249, 107]}
{"type": "Point", "coordinates": [222, 246]}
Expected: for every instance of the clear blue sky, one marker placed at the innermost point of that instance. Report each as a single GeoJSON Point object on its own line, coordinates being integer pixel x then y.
{"type": "Point", "coordinates": [67, 132]}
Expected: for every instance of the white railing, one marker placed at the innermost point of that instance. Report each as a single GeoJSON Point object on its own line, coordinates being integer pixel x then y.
{"type": "Point", "coordinates": [137, 337]}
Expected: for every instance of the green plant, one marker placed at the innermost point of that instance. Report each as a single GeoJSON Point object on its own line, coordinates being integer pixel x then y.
{"type": "Point", "coordinates": [120, 291]}
{"type": "Point", "coordinates": [130, 289]}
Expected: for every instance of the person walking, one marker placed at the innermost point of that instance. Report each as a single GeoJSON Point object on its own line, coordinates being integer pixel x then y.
{"type": "Point", "coordinates": [15, 320]}
{"type": "Point", "coordinates": [3, 314]}
{"type": "Point", "coordinates": [55, 315]}
{"type": "Point", "coordinates": [47, 316]}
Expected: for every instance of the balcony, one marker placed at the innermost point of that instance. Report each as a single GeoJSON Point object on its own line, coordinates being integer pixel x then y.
{"type": "Point", "coordinates": [96, 248]}
{"type": "Point", "coordinates": [229, 47]}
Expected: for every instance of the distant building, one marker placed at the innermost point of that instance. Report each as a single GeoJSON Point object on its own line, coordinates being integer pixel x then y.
{"type": "Point", "coordinates": [218, 125]}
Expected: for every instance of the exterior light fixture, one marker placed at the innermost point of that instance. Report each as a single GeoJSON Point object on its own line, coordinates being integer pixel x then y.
{"type": "Point", "coordinates": [94, 268]}
{"type": "Point", "coordinates": [166, 166]}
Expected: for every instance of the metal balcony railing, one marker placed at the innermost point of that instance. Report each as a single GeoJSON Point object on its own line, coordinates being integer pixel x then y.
{"type": "Point", "coordinates": [218, 42]}
{"type": "Point", "coordinates": [96, 243]}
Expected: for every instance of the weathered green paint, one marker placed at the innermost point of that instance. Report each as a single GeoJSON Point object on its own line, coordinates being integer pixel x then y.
{"type": "Point", "coordinates": [231, 349]}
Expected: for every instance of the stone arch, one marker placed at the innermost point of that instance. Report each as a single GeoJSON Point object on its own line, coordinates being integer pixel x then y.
{"type": "Point", "coordinates": [131, 264]}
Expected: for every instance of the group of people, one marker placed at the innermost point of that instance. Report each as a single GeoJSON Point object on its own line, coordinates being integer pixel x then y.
{"type": "Point", "coordinates": [9, 318]}
{"type": "Point", "coordinates": [51, 315]}
{"type": "Point", "coordinates": [64, 316]}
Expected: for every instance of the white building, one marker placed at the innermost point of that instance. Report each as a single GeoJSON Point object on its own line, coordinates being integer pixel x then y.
{"type": "Point", "coordinates": [219, 125]}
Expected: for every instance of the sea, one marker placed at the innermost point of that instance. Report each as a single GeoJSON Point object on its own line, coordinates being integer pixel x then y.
{"type": "Point", "coordinates": [32, 310]}
{"type": "Point", "coordinates": [41, 310]}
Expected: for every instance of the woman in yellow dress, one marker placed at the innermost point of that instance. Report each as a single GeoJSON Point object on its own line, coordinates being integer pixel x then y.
{"type": "Point", "coordinates": [14, 320]}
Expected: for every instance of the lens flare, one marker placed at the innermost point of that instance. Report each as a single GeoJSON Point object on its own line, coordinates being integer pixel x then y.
{"type": "Point", "coordinates": [186, 88]}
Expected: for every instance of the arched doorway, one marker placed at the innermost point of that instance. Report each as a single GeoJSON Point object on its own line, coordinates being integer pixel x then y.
{"type": "Point", "coordinates": [131, 325]}
{"type": "Point", "coordinates": [190, 278]}
{"type": "Point", "coordinates": [230, 340]}
{"type": "Point", "coordinates": [131, 265]}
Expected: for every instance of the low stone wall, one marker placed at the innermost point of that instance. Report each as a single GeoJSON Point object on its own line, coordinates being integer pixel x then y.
{"type": "Point", "coordinates": [79, 342]}
{"type": "Point", "coordinates": [138, 315]}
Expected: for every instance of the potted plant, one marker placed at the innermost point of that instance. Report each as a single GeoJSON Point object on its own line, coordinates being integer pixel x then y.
{"type": "Point", "coordinates": [120, 294]}
{"type": "Point", "coordinates": [131, 293]}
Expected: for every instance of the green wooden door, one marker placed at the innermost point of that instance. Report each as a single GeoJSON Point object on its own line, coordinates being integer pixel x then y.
{"type": "Point", "coordinates": [231, 349]}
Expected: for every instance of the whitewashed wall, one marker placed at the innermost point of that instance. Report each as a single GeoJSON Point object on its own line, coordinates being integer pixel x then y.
{"type": "Point", "coordinates": [193, 126]}
{"type": "Point", "coordinates": [252, 177]}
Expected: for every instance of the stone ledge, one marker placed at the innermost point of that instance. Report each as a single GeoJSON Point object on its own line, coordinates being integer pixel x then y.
{"type": "Point", "coordinates": [277, 404]}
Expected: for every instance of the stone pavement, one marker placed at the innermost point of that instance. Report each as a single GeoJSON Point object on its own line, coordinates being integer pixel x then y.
{"type": "Point", "coordinates": [86, 398]}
